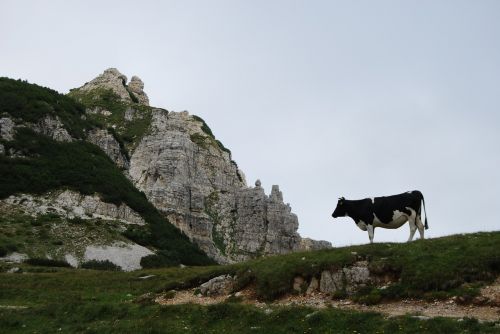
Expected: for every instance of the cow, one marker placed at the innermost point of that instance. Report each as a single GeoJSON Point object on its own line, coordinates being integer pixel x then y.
{"type": "Point", "coordinates": [387, 212]}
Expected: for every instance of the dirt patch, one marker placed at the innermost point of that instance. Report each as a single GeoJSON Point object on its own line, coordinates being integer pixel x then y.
{"type": "Point", "coordinates": [189, 297]}
{"type": "Point", "coordinates": [420, 308]}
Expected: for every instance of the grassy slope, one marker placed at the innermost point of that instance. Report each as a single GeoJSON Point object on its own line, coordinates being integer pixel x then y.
{"type": "Point", "coordinates": [80, 166]}
{"type": "Point", "coordinates": [101, 302]}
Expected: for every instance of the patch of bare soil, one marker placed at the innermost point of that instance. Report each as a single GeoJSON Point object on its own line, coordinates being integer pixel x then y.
{"type": "Point", "coordinates": [420, 308]}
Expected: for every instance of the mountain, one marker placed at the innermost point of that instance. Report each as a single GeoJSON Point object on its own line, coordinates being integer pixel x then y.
{"type": "Point", "coordinates": [101, 175]}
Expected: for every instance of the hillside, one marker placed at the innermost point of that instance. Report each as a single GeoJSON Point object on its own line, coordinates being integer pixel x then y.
{"type": "Point", "coordinates": [44, 159]}
{"type": "Point", "coordinates": [449, 270]}
{"type": "Point", "coordinates": [100, 175]}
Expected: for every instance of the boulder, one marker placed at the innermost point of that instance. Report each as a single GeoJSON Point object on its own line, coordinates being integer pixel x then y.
{"type": "Point", "coordinates": [220, 285]}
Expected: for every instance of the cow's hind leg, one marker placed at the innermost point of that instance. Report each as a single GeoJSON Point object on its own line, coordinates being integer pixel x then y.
{"type": "Point", "coordinates": [413, 228]}
{"type": "Point", "coordinates": [371, 232]}
{"type": "Point", "coordinates": [420, 226]}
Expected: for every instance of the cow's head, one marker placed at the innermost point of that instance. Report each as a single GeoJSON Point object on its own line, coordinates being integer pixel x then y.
{"type": "Point", "coordinates": [340, 210]}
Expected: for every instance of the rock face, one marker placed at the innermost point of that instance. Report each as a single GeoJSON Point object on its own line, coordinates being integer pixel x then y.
{"type": "Point", "coordinates": [53, 128]}
{"type": "Point", "coordinates": [117, 82]}
{"type": "Point", "coordinates": [190, 177]}
{"type": "Point", "coordinates": [6, 128]}
{"type": "Point", "coordinates": [136, 86]}
{"type": "Point", "coordinates": [310, 244]}
{"type": "Point", "coordinates": [347, 279]}
{"type": "Point", "coordinates": [109, 145]}
{"type": "Point", "coordinates": [71, 204]}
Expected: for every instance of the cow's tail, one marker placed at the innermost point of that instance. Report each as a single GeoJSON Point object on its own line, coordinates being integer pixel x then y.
{"type": "Point", "coordinates": [423, 201]}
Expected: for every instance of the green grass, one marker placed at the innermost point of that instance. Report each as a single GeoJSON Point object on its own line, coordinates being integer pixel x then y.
{"type": "Point", "coordinates": [421, 267]}
{"type": "Point", "coordinates": [77, 300]}
{"type": "Point", "coordinates": [89, 301]}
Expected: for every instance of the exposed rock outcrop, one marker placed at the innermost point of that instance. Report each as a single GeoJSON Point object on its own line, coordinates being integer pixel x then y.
{"type": "Point", "coordinates": [6, 128]}
{"type": "Point", "coordinates": [71, 204]}
{"type": "Point", "coordinates": [308, 244]}
{"type": "Point", "coordinates": [220, 285]}
{"type": "Point", "coordinates": [112, 79]}
{"type": "Point", "coordinates": [190, 177]}
{"type": "Point", "coordinates": [109, 145]}
{"type": "Point", "coordinates": [136, 87]}
{"type": "Point", "coordinates": [53, 128]}
{"type": "Point", "coordinates": [193, 181]}
{"type": "Point", "coordinates": [348, 279]}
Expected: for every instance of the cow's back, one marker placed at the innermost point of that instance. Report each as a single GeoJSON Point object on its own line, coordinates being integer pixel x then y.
{"type": "Point", "coordinates": [384, 207]}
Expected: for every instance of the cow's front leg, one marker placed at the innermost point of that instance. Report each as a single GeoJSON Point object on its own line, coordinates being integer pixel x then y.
{"type": "Point", "coordinates": [371, 232]}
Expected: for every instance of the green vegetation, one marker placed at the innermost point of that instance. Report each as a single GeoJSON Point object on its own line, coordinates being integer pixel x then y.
{"type": "Point", "coordinates": [421, 268]}
{"type": "Point", "coordinates": [100, 265]}
{"type": "Point", "coordinates": [83, 167]}
{"type": "Point", "coordinates": [47, 262]}
{"type": "Point", "coordinates": [73, 300]}
{"type": "Point", "coordinates": [48, 165]}
{"type": "Point", "coordinates": [109, 112]}
{"type": "Point", "coordinates": [31, 103]}
{"type": "Point", "coordinates": [54, 236]}
{"type": "Point", "coordinates": [201, 141]}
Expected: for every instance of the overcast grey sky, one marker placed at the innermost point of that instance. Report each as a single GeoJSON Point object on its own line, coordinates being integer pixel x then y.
{"type": "Point", "coordinates": [324, 98]}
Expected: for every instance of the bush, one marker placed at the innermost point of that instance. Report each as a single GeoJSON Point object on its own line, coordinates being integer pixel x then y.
{"type": "Point", "coordinates": [100, 265]}
{"type": "Point", "coordinates": [161, 259]}
{"type": "Point", "coordinates": [47, 262]}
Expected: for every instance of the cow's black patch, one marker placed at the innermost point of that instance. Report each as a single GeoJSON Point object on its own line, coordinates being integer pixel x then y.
{"type": "Point", "coordinates": [382, 207]}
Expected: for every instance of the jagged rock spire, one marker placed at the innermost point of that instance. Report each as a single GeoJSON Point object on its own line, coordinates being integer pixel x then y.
{"type": "Point", "coordinates": [117, 82]}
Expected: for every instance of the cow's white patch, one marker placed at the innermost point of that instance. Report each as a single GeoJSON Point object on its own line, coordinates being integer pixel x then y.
{"type": "Point", "coordinates": [362, 225]}
{"type": "Point", "coordinates": [398, 219]}
{"type": "Point", "coordinates": [373, 200]}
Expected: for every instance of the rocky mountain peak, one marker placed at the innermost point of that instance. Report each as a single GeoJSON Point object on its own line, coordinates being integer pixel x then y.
{"type": "Point", "coordinates": [117, 82]}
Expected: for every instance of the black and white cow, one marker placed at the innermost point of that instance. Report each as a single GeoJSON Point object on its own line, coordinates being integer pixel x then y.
{"type": "Point", "coordinates": [387, 212]}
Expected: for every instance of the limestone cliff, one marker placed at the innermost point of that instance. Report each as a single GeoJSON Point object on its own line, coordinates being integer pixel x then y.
{"type": "Point", "coordinates": [190, 177]}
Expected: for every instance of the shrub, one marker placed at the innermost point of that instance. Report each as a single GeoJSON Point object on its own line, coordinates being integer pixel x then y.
{"type": "Point", "coordinates": [47, 262]}
{"type": "Point", "coordinates": [100, 265]}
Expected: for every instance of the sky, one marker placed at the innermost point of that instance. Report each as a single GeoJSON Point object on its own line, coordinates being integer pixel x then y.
{"type": "Point", "coordinates": [324, 98]}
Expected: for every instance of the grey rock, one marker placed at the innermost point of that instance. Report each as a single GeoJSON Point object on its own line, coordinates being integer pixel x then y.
{"type": "Point", "coordinates": [117, 82]}
{"type": "Point", "coordinates": [111, 79]}
{"type": "Point", "coordinates": [313, 286]}
{"type": "Point", "coordinates": [71, 259]}
{"type": "Point", "coordinates": [220, 285]}
{"type": "Point", "coordinates": [349, 278]}
{"type": "Point", "coordinates": [357, 274]}
{"type": "Point", "coordinates": [308, 244]}
{"type": "Point", "coordinates": [52, 127]}
{"type": "Point", "coordinates": [136, 86]}
{"type": "Point", "coordinates": [109, 145]}
{"type": "Point", "coordinates": [129, 114]}
{"type": "Point", "coordinates": [14, 257]}
{"type": "Point", "coordinates": [331, 282]}
{"type": "Point", "coordinates": [2, 149]}
{"type": "Point", "coordinates": [126, 256]}
{"type": "Point", "coordinates": [71, 204]}
{"type": "Point", "coordinates": [14, 270]}
{"type": "Point", "coordinates": [7, 130]}
{"type": "Point", "coordinates": [298, 283]}
{"type": "Point", "coordinates": [194, 183]}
